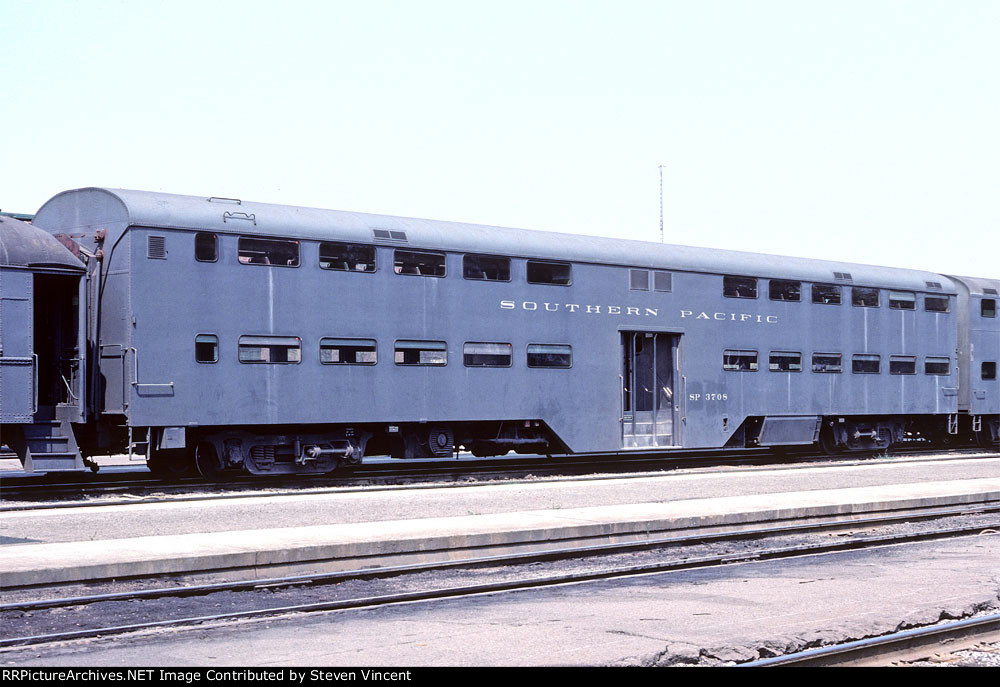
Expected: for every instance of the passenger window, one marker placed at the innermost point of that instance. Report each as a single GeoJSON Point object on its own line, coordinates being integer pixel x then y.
{"type": "Point", "coordinates": [638, 280]}
{"type": "Point", "coordinates": [347, 257]}
{"type": "Point", "coordinates": [826, 294]}
{"type": "Point", "coordinates": [550, 355]}
{"type": "Point", "coordinates": [270, 349]}
{"type": "Point", "coordinates": [419, 264]}
{"type": "Point", "coordinates": [739, 361]}
{"type": "Point", "coordinates": [486, 268]}
{"type": "Point", "coordinates": [434, 353]}
{"type": "Point", "coordinates": [902, 300]}
{"type": "Point", "coordinates": [937, 365]}
{"type": "Point", "coordinates": [902, 365]}
{"type": "Point", "coordinates": [936, 303]}
{"type": "Point", "coordinates": [827, 363]}
{"type": "Point", "coordinates": [782, 290]}
{"type": "Point", "coordinates": [347, 351]}
{"type": "Point", "coordinates": [206, 348]}
{"type": "Point", "coordinates": [865, 364]}
{"type": "Point", "coordinates": [268, 252]}
{"type": "Point", "coordinates": [864, 297]}
{"type": "Point", "coordinates": [206, 247]}
{"type": "Point", "coordinates": [549, 273]}
{"type": "Point", "coordinates": [989, 370]}
{"type": "Point", "coordinates": [782, 361]}
{"type": "Point", "coordinates": [487, 354]}
{"type": "Point", "coordinates": [988, 307]}
{"type": "Point", "coordinates": [663, 282]}
{"type": "Point", "coordinates": [739, 287]}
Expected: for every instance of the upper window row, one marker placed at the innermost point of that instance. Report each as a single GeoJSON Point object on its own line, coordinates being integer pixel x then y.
{"type": "Point", "coordinates": [829, 294]}
{"type": "Point", "coordinates": [288, 349]}
{"type": "Point", "coordinates": [358, 257]}
{"type": "Point", "coordinates": [826, 363]}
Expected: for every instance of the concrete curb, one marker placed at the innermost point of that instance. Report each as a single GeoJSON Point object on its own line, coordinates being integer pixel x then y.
{"type": "Point", "coordinates": [348, 546]}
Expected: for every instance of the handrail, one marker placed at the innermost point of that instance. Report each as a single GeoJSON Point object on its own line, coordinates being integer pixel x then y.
{"type": "Point", "coordinates": [135, 369]}
{"type": "Point", "coordinates": [34, 382]}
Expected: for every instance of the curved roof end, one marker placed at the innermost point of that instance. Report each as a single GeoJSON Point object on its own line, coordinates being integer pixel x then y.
{"type": "Point", "coordinates": [22, 245]}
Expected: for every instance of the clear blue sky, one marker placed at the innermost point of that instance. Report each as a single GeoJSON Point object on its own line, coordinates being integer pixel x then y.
{"type": "Point", "coordinates": [858, 131]}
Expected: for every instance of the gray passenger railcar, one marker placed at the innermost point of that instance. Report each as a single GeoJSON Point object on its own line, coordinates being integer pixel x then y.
{"type": "Point", "coordinates": [279, 339]}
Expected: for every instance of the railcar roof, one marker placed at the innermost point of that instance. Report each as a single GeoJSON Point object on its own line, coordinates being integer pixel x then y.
{"type": "Point", "coordinates": [979, 286]}
{"type": "Point", "coordinates": [22, 245]}
{"type": "Point", "coordinates": [91, 207]}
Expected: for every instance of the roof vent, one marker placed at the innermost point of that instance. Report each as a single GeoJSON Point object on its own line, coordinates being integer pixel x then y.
{"type": "Point", "coordinates": [989, 291]}
{"type": "Point", "coordinates": [843, 276]}
{"type": "Point", "coordinates": [389, 235]}
{"type": "Point", "coordinates": [933, 285]}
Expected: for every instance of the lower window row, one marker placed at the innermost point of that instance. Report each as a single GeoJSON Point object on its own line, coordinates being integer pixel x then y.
{"type": "Point", "coordinates": [288, 350]}
{"type": "Point", "coordinates": [832, 363]}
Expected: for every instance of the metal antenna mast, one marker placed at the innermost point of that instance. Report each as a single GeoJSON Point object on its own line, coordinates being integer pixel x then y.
{"type": "Point", "coordinates": [661, 203]}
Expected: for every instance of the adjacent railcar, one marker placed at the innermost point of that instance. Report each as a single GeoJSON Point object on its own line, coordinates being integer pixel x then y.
{"type": "Point", "coordinates": [277, 339]}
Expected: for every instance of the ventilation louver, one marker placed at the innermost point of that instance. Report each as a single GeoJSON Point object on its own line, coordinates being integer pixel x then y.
{"type": "Point", "coordinates": [389, 235]}
{"type": "Point", "coordinates": [156, 247]}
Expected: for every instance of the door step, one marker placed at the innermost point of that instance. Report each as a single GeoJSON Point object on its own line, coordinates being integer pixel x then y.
{"type": "Point", "coordinates": [47, 446]}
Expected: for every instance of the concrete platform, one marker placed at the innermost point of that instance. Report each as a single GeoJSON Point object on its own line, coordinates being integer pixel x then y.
{"type": "Point", "coordinates": [268, 552]}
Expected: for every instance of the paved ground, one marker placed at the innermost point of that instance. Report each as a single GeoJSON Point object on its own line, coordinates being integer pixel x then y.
{"type": "Point", "coordinates": [727, 614]}
{"type": "Point", "coordinates": [296, 510]}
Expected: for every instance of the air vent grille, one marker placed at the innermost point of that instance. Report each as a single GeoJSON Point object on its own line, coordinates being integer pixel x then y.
{"type": "Point", "coordinates": [989, 291]}
{"type": "Point", "coordinates": [843, 276]}
{"type": "Point", "coordinates": [389, 235]}
{"type": "Point", "coordinates": [936, 285]}
{"type": "Point", "coordinates": [156, 247]}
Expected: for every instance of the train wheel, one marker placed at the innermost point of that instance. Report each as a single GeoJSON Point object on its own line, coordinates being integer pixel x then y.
{"type": "Point", "coordinates": [827, 443]}
{"type": "Point", "coordinates": [206, 459]}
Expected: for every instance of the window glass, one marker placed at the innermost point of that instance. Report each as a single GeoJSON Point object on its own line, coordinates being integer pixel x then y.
{"type": "Point", "coordinates": [739, 287]}
{"type": "Point", "coordinates": [783, 361]}
{"type": "Point", "coordinates": [486, 268]}
{"type": "Point", "coordinates": [270, 349]}
{"type": "Point", "coordinates": [826, 294]}
{"type": "Point", "coordinates": [865, 364]}
{"type": "Point", "coordinates": [739, 361]}
{"type": "Point", "coordinates": [487, 354]}
{"type": "Point", "coordinates": [206, 348]}
{"type": "Point", "coordinates": [827, 363]}
{"type": "Point", "coordinates": [206, 247]}
{"type": "Point", "coordinates": [638, 280]}
{"type": "Point", "coordinates": [663, 282]}
{"type": "Point", "coordinates": [864, 297]}
{"type": "Point", "coordinates": [782, 290]}
{"type": "Point", "coordinates": [988, 307]}
{"type": "Point", "coordinates": [268, 252]}
{"type": "Point", "coordinates": [937, 365]}
{"type": "Point", "coordinates": [421, 353]}
{"type": "Point", "coordinates": [549, 273]}
{"type": "Point", "coordinates": [902, 365]}
{"type": "Point", "coordinates": [348, 351]}
{"type": "Point", "coordinates": [550, 355]}
{"type": "Point", "coordinates": [419, 264]}
{"type": "Point", "coordinates": [936, 303]}
{"type": "Point", "coordinates": [347, 257]}
{"type": "Point", "coordinates": [989, 370]}
{"type": "Point", "coordinates": [902, 300]}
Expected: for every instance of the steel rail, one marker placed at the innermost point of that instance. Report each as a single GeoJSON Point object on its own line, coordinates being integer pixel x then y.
{"type": "Point", "coordinates": [360, 481]}
{"type": "Point", "coordinates": [864, 650]}
{"type": "Point", "coordinates": [486, 588]}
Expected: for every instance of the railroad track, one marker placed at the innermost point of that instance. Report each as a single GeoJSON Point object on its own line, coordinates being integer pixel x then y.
{"type": "Point", "coordinates": [333, 592]}
{"type": "Point", "coordinates": [47, 491]}
{"type": "Point", "coordinates": [906, 645]}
